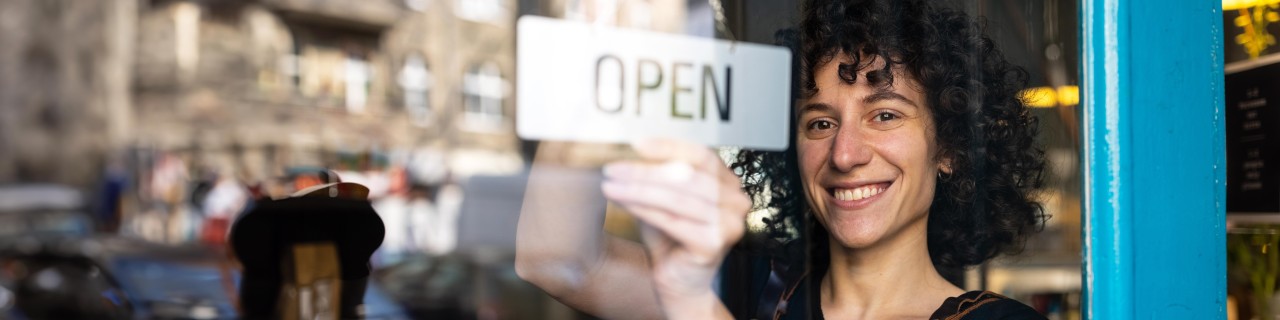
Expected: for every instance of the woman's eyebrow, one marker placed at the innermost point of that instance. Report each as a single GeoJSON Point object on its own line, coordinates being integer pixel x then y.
{"type": "Point", "coordinates": [814, 107]}
{"type": "Point", "coordinates": [886, 94]}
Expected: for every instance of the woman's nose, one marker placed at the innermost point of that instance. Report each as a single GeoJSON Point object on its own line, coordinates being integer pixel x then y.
{"type": "Point", "coordinates": [850, 149]}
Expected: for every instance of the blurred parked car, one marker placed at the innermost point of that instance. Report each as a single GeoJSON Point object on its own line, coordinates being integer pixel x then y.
{"type": "Point", "coordinates": [467, 286]}
{"type": "Point", "coordinates": [52, 266]}
{"type": "Point", "coordinates": [56, 277]}
{"type": "Point", "coordinates": [27, 209]}
{"type": "Point", "coordinates": [430, 287]}
{"type": "Point", "coordinates": [112, 277]}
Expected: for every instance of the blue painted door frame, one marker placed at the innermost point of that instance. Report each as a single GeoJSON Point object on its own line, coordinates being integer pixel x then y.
{"type": "Point", "coordinates": [1154, 204]}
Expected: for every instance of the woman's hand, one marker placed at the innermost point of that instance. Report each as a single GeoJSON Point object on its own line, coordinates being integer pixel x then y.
{"type": "Point", "coordinates": [561, 246]}
{"type": "Point", "coordinates": [693, 211]}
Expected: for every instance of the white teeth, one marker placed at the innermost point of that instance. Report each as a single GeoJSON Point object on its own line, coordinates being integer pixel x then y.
{"type": "Point", "coordinates": [844, 195]}
{"type": "Point", "coordinates": [857, 194]}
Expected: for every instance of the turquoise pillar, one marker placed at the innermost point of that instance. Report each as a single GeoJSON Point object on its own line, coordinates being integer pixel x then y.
{"type": "Point", "coordinates": [1154, 155]}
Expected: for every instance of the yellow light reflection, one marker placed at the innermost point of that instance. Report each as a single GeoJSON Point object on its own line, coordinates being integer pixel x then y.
{"type": "Point", "coordinates": [1254, 18]}
{"type": "Point", "coordinates": [1048, 97]}
{"type": "Point", "coordinates": [1241, 4]}
{"type": "Point", "coordinates": [1068, 95]}
{"type": "Point", "coordinates": [1040, 97]}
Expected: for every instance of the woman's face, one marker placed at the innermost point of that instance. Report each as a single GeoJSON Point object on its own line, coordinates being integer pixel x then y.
{"type": "Point", "coordinates": [867, 155]}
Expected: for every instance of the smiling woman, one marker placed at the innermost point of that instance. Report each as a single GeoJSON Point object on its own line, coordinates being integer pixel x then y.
{"type": "Point", "coordinates": [867, 160]}
{"type": "Point", "coordinates": [913, 152]}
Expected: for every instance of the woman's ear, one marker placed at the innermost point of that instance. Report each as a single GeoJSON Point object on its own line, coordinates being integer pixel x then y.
{"type": "Point", "coordinates": [944, 165]}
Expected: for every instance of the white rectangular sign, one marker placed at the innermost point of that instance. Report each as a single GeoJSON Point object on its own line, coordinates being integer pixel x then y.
{"type": "Point", "coordinates": [580, 82]}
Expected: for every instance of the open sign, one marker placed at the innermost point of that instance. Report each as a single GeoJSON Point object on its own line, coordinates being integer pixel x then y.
{"type": "Point", "coordinates": [654, 84]}
{"type": "Point", "coordinates": [580, 82]}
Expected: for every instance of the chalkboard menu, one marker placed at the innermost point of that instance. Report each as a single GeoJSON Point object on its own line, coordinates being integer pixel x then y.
{"type": "Point", "coordinates": [1253, 139]}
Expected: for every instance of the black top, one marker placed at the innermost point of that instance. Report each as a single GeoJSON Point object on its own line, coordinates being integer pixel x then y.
{"type": "Point", "coordinates": [971, 305]}
{"type": "Point", "coordinates": [983, 305]}
{"type": "Point", "coordinates": [783, 293]}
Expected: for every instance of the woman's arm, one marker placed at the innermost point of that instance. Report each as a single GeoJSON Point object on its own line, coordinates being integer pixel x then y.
{"type": "Point", "coordinates": [562, 248]}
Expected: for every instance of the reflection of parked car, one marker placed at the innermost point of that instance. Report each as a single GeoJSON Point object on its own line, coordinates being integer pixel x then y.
{"type": "Point", "coordinates": [42, 209]}
{"type": "Point", "coordinates": [112, 278]}
{"type": "Point", "coordinates": [430, 288]}
{"type": "Point", "coordinates": [51, 278]}
{"type": "Point", "coordinates": [167, 282]}
{"type": "Point", "coordinates": [122, 278]}
{"type": "Point", "coordinates": [466, 286]}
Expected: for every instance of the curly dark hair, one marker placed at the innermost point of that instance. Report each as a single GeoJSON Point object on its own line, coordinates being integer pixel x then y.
{"type": "Point", "coordinates": [986, 206]}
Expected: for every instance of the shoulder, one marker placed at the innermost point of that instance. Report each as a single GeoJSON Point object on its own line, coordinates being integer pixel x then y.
{"type": "Point", "coordinates": [984, 305]}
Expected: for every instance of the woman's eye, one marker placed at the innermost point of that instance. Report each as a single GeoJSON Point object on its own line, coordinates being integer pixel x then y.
{"type": "Point", "coordinates": [886, 116]}
{"type": "Point", "coordinates": [886, 119]}
{"type": "Point", "coordinates": [821, 125]}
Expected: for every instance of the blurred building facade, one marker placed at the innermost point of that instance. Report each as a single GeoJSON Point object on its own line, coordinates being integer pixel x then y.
{"type": "Point", "coordinates": [65, 70]}
{"type": "Point", "coordinates": [172, 92]}
{"type": "Point", "coordinates": [250, 85]}
{"type": "Point", "coordinates": [245, 85]}
{"type": "Point", "coordinates": [258, 85]}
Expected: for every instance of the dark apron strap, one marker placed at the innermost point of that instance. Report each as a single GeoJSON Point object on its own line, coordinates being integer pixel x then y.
{"type": "Point", "coordinates": [779, 289]}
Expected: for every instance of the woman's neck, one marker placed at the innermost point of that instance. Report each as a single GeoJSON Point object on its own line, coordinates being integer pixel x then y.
{"type": "Point", "coordinates": [894, 277]}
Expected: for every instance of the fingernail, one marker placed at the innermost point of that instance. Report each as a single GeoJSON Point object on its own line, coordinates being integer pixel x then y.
{"type": "Point", "coordinates": [613, 170]}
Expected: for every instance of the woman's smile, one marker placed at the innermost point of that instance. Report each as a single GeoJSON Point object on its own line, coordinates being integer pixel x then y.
{"type": "Point", "coordinates": [857, 195]}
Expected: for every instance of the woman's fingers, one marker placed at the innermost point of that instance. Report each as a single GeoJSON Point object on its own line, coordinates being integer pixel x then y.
{"type": "Point", "coordinates": [671, 171]}
{"type": "Point", "coordinates": [675, 175]}
{"type": "Point", "coordinates": [677, 202]}
{"type": "Point", "coordinates": [701, 158]}
{"type": "Point", "coordinates": [700, 238]}
{"type": "Point", "coordinates": [726, 193]}
{"type": "Point", "coordinates": [680, 180]}
{"type": "Point", "coordinates": [693, 222]}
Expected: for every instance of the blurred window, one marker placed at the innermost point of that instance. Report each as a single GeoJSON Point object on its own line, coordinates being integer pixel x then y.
{"type": "Point", "coordinates": [356, 74]}
{"type": "Point", "coordinates": [488, 11]}
{"type": "Point", "coordinates": [330, 64]}
{"type": "Point", "coordinates": [484, 90]}
{"type": "Point", "coordinates": [290, 69]}
{"type": "Point", "coordinates": [415, 83]}
{"type": "Point", "coordinates": [318, 69]}
{"type": "Point", "coordinates": [186, 18]}
{"type": "Point", "coordinates": [416, 5]}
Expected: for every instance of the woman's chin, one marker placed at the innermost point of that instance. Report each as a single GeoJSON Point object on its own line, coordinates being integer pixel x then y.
{"type": "Point", "coordinates": [857, 238]}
